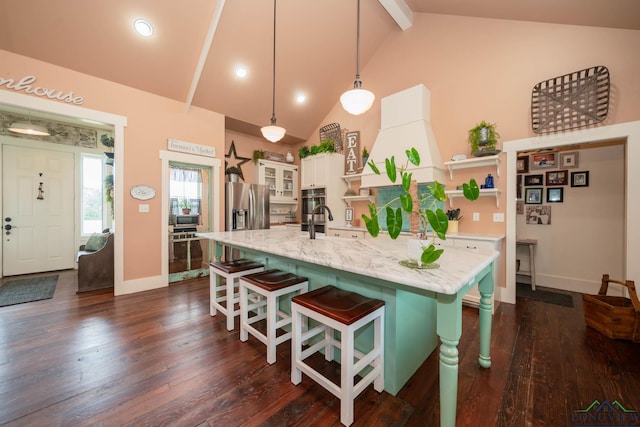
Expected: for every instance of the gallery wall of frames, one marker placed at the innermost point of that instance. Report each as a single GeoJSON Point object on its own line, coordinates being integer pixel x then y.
{"type": "Point", "coordinates": [563, 199]}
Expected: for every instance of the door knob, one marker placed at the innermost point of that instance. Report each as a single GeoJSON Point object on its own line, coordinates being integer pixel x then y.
{"type": "Point", "coordinates": [8, 219]}
{"type": "Point", "coordinates": [7, 227]}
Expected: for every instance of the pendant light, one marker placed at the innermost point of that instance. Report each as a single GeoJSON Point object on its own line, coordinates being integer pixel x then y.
{"type": "Point", "coordinates": [357, 100]}
{"type": "Point", "coordinates": [273, 132]}
{"type": "Point", "coordinates": [28, 128]}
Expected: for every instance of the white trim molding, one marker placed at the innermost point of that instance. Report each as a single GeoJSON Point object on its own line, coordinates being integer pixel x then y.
{"type": "Point", "coordinates": [625, 131]}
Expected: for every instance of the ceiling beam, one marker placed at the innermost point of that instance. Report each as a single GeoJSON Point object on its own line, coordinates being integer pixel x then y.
{"type": "Point", "coordinates": [215, 20]}
{"type": "Point", "coordinates": [400, 12]}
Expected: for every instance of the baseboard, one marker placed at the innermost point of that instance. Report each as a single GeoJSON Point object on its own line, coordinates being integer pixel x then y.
{"type": "Point", "coordinates": [144, 284]}
{"type": "Point", "coordinates": [572, 284]}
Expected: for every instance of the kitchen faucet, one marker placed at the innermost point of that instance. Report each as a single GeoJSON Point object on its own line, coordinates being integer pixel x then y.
{"type": "Point", "coordinates": [312, 226]}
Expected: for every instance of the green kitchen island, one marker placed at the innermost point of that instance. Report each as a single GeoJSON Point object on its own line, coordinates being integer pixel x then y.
{"type": "Point", "coordinates": [421, 305]}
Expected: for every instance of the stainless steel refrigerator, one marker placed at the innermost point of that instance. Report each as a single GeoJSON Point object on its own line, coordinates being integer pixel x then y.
{"type": "Point", "coordinates": [246, 207]}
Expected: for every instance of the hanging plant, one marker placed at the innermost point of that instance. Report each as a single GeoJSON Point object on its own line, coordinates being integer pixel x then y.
{"type": "Point", "coordinates": [107, 140]}
{"type": "Point", "coordinates": [108, 188]}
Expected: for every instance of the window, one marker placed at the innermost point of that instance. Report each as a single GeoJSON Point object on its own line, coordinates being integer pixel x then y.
{"type": "Point", "coordinates": [185, 184]}
{"type": "Point", "coordinates": [92, 202]}
{"type": "Point", "coordinates": [388, 194]}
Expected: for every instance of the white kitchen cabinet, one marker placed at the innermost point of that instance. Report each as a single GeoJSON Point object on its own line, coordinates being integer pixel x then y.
{"type": "Point", "coordinates": [321, 170]}
{"type": "Point", "coordinates": [282, 180]}
{"type": "Point", "coordinates": [346, 233]}
{"type": "Point", "coordinates": [475, 242]}
{"type": "Point", "coordinates": [478, 243]}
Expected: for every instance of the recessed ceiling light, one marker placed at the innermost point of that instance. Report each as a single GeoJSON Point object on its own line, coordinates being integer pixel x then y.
{"type": "Point", "coordinates": [143, 27]}
{"type": "Point", "coordinates": [301, 98]}
{"type": "Point", "coordinates": [241, 71]}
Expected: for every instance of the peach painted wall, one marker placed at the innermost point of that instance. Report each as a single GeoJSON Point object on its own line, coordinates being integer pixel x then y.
{"type": "Point", "coordinates": [484, 69]}
{"type": "Point", "coordinates": [151, 121]}
{"type": "Point", "coordinates": [246, 144]}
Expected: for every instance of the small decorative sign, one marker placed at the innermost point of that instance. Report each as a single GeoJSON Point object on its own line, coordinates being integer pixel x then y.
{"type": "Point", "coordinates": [191, 148]}
{"type": "Point", "coordinates": [274, 157]}
{"type": "Point", "coordinates": [352, 151]}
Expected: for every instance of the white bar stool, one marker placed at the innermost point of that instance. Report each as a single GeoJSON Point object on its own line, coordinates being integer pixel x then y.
{"type": "Point", "coordinates": [231, 271]}
{"type": "Point", "coordinates": [263, 290]}
{"type": "Point", "coordinates": [346, 312]}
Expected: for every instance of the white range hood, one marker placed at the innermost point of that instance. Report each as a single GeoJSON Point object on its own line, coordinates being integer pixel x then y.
{"type": "Point", "coordinates": [405, 123]}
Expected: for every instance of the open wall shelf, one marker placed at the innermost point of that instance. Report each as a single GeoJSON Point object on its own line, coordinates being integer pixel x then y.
{"type": "Point", "coordinates": [452, 194]}
{"type": "Point", "coordinates": [474, 162]}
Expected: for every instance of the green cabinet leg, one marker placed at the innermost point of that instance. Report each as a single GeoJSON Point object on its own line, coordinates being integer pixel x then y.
{"type": "Point", "coordinates": [449, 331]}
{"type": "Point", "coordinates": [485, 286]}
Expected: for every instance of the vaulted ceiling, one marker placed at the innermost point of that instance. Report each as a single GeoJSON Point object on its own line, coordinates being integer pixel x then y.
{"type": "Point", "coordinates": [197, 44]}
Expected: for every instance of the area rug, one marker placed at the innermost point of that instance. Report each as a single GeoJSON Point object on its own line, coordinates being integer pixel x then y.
{"type": "Point", "coordinates": [26, 290]}
{"type": "Point", "coordinates": [523, 290]}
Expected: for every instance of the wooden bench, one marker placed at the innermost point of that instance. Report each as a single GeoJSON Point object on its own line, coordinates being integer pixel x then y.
{"type": "Point", "coordinates": [95, 268]}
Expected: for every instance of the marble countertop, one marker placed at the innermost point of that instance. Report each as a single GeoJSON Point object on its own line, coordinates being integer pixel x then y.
{"type": "Point", "coordinates": [374, 257]}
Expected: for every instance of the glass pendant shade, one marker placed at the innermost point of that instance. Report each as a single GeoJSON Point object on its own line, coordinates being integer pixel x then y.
{"type": "Point", "coordinates": [357, 101]}
{"type": "Point", "coordinates": [272, 132]}
{"type": "Point", "coordinates": [28, 129]}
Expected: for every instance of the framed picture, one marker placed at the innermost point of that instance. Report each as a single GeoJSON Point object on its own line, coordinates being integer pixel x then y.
{"type": "Point", "coordinates": [519, 207]}
{"type": "Point", "coordinates": [522, 164]}
{"type": "Point", "coordinates": [555, 195]}
{"type": "Point", "coordinates": [580, 179]}
{"type": "Point", "coordinates": [543, 161]}
{"type": "Point", "coordinates": [569, 160]}
{"type": "Point", "coordinates": [538, 215]}
{"type": "Point", "coordinates": [533, 180]}
{"type": "Point", "coordinates": [533, 196]}
{"type": "Point", "coordinates": [518, 186]}
{"type": "Point", "coordinates": [557, 177]}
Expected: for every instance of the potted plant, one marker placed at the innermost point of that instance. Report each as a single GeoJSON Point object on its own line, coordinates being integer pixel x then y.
{"type": "Point", "coordinates": [430, 215]}
{"type": "Point", "coordinates": [234, 173]}
{"type": "Point", "coordinates": [483, 139]}
{"type": "Point", "coordinates": [185, 206]}
{"type": "Point", "coordinates": [365, 156]}
{"type": "Point", "coordinates": [257, 155]}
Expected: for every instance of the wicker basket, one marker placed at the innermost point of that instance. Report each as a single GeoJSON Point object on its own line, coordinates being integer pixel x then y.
{"type": "Point", "coordinates": [615, 317]}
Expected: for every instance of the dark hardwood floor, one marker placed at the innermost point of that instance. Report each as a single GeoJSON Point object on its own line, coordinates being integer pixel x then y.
{"type": "Point", "coordinates": [158, 358]}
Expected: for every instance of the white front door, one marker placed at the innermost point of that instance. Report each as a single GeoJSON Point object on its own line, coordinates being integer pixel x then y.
{"type": "Point", "coordinates": [38, 225]}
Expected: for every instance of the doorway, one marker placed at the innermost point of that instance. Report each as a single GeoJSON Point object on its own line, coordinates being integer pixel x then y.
{"type": "Point", "coordinates": [210, 208]}
{"type": "Point", "coordinates": [38, 215]}
{"type": "Point", "coordinates": [576, 229]}
{"type": "Point", "coordinates": [73, 112]}
{"type": "Point", "coordinates": [189, 213]}
{"type": "Point", "coordinates": [625, 131]}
